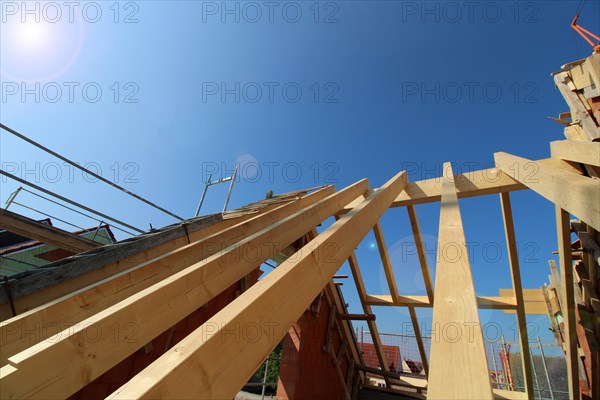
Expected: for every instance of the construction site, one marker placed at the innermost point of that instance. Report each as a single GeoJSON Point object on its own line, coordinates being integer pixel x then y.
{"type": "Point", "coordinates": [252, 299]}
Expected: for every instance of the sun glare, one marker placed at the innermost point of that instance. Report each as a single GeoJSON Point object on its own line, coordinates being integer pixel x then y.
{"type": "Point", "coordinates": [38, 50]}
{"type": "Point", "coordinates": [33, 37]}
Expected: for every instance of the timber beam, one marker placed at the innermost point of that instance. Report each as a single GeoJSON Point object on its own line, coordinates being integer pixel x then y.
{"type": "Point", "coordinates": [48, 234]}
{"type": "Point", "coordinates": [461, 358]}
{"type": "Point", "coordinates": [275, 301]}
{"type": "Point", "coordinates": [78, 360]}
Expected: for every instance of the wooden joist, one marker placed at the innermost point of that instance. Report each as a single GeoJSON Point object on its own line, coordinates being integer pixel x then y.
{"type": "Point", "coordinates": [76, 360]}
{"type": "Point", "coordinates": [48, 234]}
{"type": "Point", "coordinates": [22, 331]}
{"type": "Point", "coordinates": [557, 182]}
{"type": "Point", "coordinates": [201, 365]}
{"type": "Point", "coordinates": [458, 365]}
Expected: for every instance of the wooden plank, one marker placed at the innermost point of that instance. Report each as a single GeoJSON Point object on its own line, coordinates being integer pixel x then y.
{"type": "Point", "coordinates": [24, 330]}
{"type": "Point", "coordinates": [554, 326]}
{"type": "Point", "coordinates": [515, 273]}
{"type": "Point", "coordinates": [534, 302]}
{"type": "Point", "coordinates": [579, 195]}
{"type": "Point", "coordinates": [483, 302]}
{"type": "Point", "coordinates": [458, 364]}
{"type": "Point", "coordinates": [579, 112]}
{"type": "Point", "coordinates": [568, 300]}
{"type": "Point", "coordinates": [35, 230]}
{"type": "Point", "coordinates": [76, 360]}
{"type": "Point", "coordinates": [399, 379]}
{"type": "Point", "coordinates": [52, 283]}
{"type": "Point", "coordinates": [419, 338]}
{"type": "Point", "coordinates": [581, 152]}
{"type": "Point", "coordinates": [200, 365]}
{"type": "Point", "coordinates": [502, 394]}
{"type": "Point", "coordinates": [385, 260]}
{"type": "Point", "coordinates": [414, 223]}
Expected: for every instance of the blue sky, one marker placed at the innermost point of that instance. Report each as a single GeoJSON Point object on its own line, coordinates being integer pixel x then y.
{"type": "Point", "coordinates": [154, 95]}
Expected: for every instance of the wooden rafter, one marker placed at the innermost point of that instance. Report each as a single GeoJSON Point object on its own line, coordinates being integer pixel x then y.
{"type": "Point", "coordinates": [155, 309]}
{"type": "Point", "coordinates": [282, 296]}
{"type": "Point", "coordinates": [362, 295]}
{"type": "Point", "coordinates": [414, 223]}
{"type": "Point", "coordinates": [20, 332]}
{"type": "Point", "coordinates": [385, 260]}
{"type": "Point", "coordinates": [456, 360]}
{"type": "Point", "coordinates": [515, 273]}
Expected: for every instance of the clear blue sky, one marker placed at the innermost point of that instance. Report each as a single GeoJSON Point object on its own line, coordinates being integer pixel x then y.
{"type": "Point", "coordinates": [155, 94]}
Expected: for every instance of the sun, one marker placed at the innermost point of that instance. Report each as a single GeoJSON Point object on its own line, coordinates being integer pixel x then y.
{"type": "Point", "coordinates": [38, 50]}
{"type": "Point", "coordinates": [33, 37]}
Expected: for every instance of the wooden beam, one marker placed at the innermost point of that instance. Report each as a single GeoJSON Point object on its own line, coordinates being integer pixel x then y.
{"type": "Point", "coordinates": [35, 230]}
{"type": "Point", "coordinates": [50, 284]}
{"type": "Point", "coordinates": [568, 300]}
{"type": "Point", "coordinates": [414, 223]}
{"type": "Point", "coordinates": [24, 331]}
{"type": "Point", "coordinates": [280, 297]}
{"type": "Point", "coordinates": [419, 338]}
{"type": "Point", "coordinates": [579, 195]}
{"type": "Point", "coordinates": [474, 183]}
{"type": "Point", "coordinates": [458, 357]}
{"type": "Point", "coordinates": [581, 152]}
{"type": "Point", "coordinates": [78, 360]}
{"type": "Point", "coordinates": [362, 295]}
{"type": "Point", "coordinates": [533, 301]}
{"type": "Point", "coordinates": [356, 317]}
{"type": "Point", "coordinates": [483, 302]}
{"type": "Point", "coordinates": [515, 273]}
{"type": "Point", "coordinates": [385, 260]}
